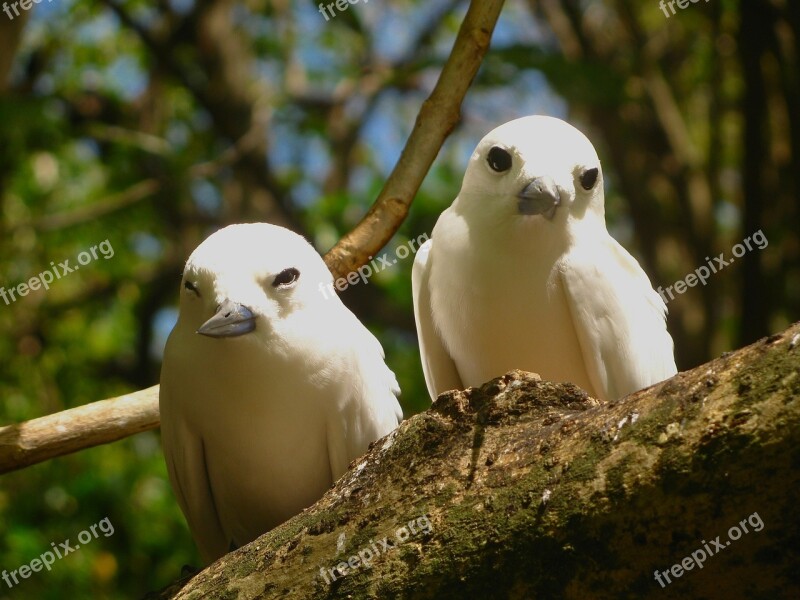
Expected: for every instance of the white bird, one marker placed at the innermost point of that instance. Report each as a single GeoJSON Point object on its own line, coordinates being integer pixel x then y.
{"type": "Point", "coordinates": [269, 388]}
{"type": "Point", "coordinates": [521, 273]}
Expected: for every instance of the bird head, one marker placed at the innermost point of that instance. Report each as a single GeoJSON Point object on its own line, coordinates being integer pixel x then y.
{"type": "Point", "coordinates": [535, 167]}
{"type": "Point", "coordinates": [248, 277]}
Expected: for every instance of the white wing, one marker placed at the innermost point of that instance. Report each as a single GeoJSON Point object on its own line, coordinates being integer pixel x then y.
{"type": "Point", "coordinates": [440, 371]}
{"type": "Point", "coordinates": [620, 320]}
{"type": "Point", "coordinates": [368, 390]}
{"type": "Point", "coordinates": [186, 465]}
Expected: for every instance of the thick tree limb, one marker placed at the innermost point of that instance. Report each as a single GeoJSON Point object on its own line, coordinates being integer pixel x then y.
{"type": "Point", "coordinates": [534, 490]}
{"type": "Point", "coordinates": [68, 431]}
{"type": "Point", "coordinates": [438, 116]}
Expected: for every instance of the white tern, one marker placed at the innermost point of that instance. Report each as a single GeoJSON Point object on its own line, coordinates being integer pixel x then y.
{"type": "Point", "coordinates": [268, 387]}
{"type": "Point", "coordinates": [521, 273]}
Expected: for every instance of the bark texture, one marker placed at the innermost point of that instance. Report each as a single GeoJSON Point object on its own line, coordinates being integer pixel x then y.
{"type": "Point", "coordinates": [533, 489]}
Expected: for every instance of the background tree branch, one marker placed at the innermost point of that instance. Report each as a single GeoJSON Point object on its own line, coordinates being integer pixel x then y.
{"type": "Point", "coordinates": [10, 38]}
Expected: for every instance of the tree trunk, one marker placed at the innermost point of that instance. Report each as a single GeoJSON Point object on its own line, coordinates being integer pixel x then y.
{"type": "Point", "coordinates": [529, 489]}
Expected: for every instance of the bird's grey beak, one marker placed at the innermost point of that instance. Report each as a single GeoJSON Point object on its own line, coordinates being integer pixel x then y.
{"type": "Point", "coordinates": [232, 320]}
{"type": "Point", "coordinates": [539, 197]}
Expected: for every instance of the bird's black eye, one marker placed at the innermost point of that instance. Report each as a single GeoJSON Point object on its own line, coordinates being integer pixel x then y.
{"type": "Point", "coordinates": [286, 277]}
{"type": "Point", "coordinates": [589, 178]}
{"type": "Point", "coordinates": [499, 159]}
{"type": "Point", "coordinates": [191, 287]}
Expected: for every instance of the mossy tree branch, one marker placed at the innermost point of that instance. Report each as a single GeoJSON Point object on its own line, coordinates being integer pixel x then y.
{"type": "Point", "coordinates": [534, 490]}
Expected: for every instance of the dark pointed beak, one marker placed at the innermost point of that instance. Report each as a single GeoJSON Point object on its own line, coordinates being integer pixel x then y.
{"type": "Point", "coordinates": [231, 320]}
{"type": "Point", "coordinates": [539, 197]}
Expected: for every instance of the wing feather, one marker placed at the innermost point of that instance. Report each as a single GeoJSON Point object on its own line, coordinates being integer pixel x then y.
{"type": "Point", "coordinates": [186, 465]}
{"type": "Point", "coordinates": [620, 320]}
{"type": "Point", "coordinates": [438, 366]}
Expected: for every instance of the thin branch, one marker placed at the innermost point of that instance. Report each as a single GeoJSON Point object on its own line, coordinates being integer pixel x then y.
{"type": "Point", "coordinates": [245, 144]}
{"type": "Point", "coordinates": [437, 118]}
{"type": "Point", "coordinates": [68, 431]}
{"type": "Point", "coordinates": [146, 142]}
{"type": "Point", "coordinates": [140, 191]}
{"type": "Point", "coordinates": [568, 38]}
